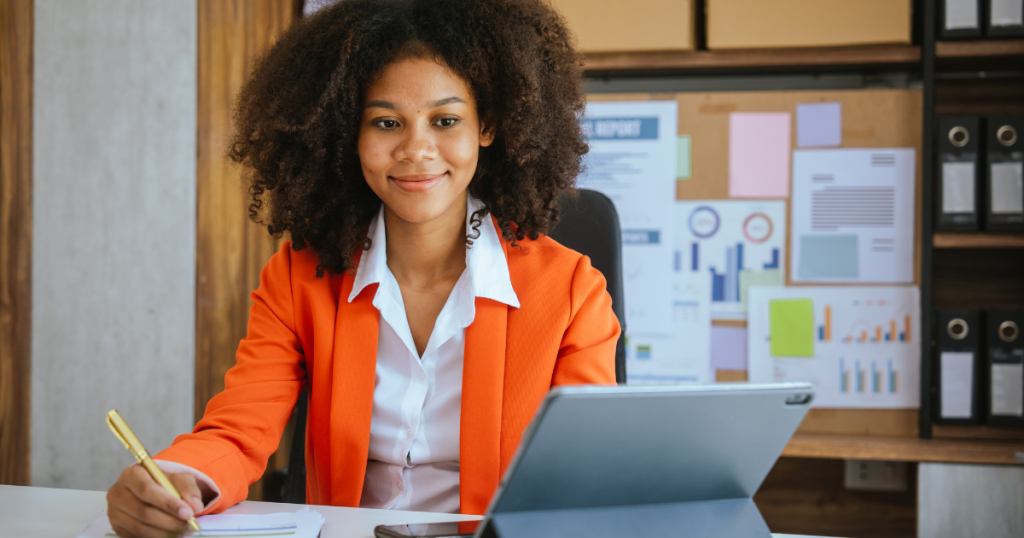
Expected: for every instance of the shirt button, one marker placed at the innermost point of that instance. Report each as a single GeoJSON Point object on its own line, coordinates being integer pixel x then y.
{"type": "Point", "coordinates": [410, 431]}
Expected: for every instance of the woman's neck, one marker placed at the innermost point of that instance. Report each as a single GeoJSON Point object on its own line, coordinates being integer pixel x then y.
{"type": "Point", "coordinates": [426, 254]}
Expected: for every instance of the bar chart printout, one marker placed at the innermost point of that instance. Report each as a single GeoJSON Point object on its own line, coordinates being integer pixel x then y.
{"type": "Point", "coordinates": [866, 351]}
{"type": "Point", "coordinates": [727, 239]}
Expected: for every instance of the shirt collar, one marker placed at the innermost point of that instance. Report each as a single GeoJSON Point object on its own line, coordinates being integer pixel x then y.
{"type": "Point", "coordinates": [485, 259]}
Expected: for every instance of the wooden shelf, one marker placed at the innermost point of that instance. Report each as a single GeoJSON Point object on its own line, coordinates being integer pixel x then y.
{"type": "Point", "coordinates": [661, 62]}
{"type": "Point", "coordinates": [905, 449]}
{"type": "Point", "coordinates": [989, 48]}
{"type": "Point", "coordinates": [977, 240]}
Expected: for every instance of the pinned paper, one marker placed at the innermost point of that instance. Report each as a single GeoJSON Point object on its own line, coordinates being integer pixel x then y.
{"type": "Point", "coordinates": [819, 125]}
{"type": "Point", "coordinates": [683, 157]}
{"type": "Point", "coordinates": [767, 277]}
{"type": "Point", "coordinates": [791, 327]}
{"type": "Point", "coordinates": [728, 348]}
{"type": "Point", "coordinates": [759, 144]}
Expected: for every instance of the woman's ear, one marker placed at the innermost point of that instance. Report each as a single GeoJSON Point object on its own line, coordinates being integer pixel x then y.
{"type": "Point", "coordinates": [486, 133]}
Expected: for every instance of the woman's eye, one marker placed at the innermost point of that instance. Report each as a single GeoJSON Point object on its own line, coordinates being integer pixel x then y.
{"type": "Point", "coordinates": [446, 122]}
{"type": "Point", "coordinates": [386, 124]}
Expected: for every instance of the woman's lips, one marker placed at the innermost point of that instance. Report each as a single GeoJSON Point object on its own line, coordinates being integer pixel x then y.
{"type": "Point", "coordinates": [417, 183]}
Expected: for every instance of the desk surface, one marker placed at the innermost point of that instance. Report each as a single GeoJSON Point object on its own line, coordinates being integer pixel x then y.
{"type": "Point", "coordinates": [62, 513]}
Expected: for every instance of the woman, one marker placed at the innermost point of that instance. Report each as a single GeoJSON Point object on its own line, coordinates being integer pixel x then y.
{"type": "Point", "coordinates": [413, 151]}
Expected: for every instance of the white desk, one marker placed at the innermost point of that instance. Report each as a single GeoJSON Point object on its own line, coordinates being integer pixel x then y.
{"type": "Point", "coordinates": [63, 513]}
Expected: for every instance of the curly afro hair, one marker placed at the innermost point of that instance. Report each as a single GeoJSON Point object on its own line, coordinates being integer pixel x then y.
{"type": "Point", "coordinates": [298, 116]}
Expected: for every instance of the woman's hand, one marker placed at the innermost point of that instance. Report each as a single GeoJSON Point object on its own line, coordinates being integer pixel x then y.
{"type": "Point", "coordinates": [138, 507]}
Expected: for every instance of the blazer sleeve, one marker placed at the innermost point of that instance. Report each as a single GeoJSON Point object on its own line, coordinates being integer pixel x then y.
{"type": "Point", "coordinates": [243, 424]}
{"type": "Point", "coordinates": [587, 352]}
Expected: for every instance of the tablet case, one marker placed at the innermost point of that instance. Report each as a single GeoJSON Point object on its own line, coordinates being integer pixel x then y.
{"type": "Point", "coordinates": [631, 461]}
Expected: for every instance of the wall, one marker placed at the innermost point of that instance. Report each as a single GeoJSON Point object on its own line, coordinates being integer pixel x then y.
{"type": "Point", "coordinates": [114, 213]}
{"type": "Point", "coordinates": [970, 501]}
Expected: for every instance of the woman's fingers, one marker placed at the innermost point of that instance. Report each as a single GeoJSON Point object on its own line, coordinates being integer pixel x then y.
{"type": "Point", "coordinates": [148, 491]}
{"type": "Point", "coordinates": [138, 507]}
{"type": "Point", "coordinates": [188, 488]}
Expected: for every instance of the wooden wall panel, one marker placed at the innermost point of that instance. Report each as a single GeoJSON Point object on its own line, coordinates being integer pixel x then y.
{"type": "Point", "coordinates": [15, 237]}
{"type": "Point", "coordinates": [231, 249]}
{"type": "Point", "coordinates": [807, 496]}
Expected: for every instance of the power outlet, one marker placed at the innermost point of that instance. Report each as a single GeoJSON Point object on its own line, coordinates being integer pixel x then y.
{"type": "Point", "coordinates": [876, 475]}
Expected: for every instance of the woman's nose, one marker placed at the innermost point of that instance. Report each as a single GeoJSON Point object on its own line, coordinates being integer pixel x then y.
{"type": "Point", "coordinates": [417, 146]}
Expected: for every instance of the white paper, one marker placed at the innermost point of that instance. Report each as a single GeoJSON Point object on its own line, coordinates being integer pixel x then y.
{"type": "Point", "coordinates": [1008, 389]}
{"type": "Point", "coordinates": [632, 160]}
{"type": "Point", "coordinates": [958, 187]}
{"type": "Point", "coordinates": [685, 355]}
{"type": "Point", "coordinates": [1007, 12]}
{"type": "Point", "coordinates": [956, 374]}
{"type": "Point", "coordinates": [961, 14]}
{"type": "Point", "coordinates": [1006, 188]}
{"type": "Point", "coordinates": [304, 523]}
{"type": "Point", "coordinates": [853, 215]}
{"type": "Point", "coordinates": [867, 355]}
{"type": "Point", "coordinates": [719, 238]}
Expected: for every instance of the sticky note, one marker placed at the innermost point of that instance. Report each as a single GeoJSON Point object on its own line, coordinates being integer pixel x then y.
{"type": "Point", "coordinates": [683, 157]}
{"type": "Point", "coordinates": [829, 256]}
{"type": "Point", "coordinates": [728, 348]}
{"type": "Point", "coordinates": [791, 327]}
{"type": "Point", "coordinates": [767, 277]}
{"type": "Point", "coordinates": [819, 125]}
{"type": "Point", "coordinates": [759, 144]}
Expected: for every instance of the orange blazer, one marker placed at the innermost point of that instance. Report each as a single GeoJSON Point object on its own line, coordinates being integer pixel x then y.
{"type": "Point", "coordinates": [302, 330]}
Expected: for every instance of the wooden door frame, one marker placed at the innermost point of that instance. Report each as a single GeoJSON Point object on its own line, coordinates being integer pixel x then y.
{"type": "Point", "coordinates": [16, 26]}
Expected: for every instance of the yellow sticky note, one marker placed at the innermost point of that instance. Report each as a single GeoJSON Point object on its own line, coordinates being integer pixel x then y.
{"type": "Point", "coordinates": [791, 326]}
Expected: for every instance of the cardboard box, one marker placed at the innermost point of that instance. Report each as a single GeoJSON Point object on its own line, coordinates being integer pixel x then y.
{"type": "Point", "coordinates": [749, 24]}
{"type": "Point", "coordinates": [625, 26]}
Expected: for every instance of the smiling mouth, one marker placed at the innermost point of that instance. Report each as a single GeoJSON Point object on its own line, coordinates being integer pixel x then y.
{"type": "Point", "coordinates": [417, 182]}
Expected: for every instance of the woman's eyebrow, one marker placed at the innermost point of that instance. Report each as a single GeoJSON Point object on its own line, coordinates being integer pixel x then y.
{"type": "Point", "coordinates": [448, 101]}
{"type": "Point", "coordinates": [391, 106]}
{"type": "Point", "coordinates": [380, 104]}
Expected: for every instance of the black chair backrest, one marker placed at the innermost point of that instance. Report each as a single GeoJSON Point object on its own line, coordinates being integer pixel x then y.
{"type": "Point", "coordinates": [588, 224]}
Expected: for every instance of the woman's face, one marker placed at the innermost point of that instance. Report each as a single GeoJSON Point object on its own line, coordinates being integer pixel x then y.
{"type": "Point", "coordinates": [419, 139]}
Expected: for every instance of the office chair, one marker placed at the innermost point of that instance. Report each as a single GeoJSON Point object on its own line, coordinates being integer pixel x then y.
{"type": "Point", "coordinates": [588, 224]}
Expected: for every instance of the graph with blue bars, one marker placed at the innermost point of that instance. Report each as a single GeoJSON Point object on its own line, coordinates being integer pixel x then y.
{"type": "Point", "coordinates": [725, 283]}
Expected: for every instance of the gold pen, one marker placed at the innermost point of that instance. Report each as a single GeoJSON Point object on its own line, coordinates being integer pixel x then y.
{"type": "Point", "coordinates": [124, 433]}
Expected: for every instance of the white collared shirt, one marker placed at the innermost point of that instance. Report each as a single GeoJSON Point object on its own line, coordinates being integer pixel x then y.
{"type": "Point", "coordinates": [417, 401]}
{"type": "Point", "coordinates": [413, 461]}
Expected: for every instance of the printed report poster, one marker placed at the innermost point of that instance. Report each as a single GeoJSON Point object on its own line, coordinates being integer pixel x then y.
{"type": "Point", "coordinates": [683, 356]}
{"type": "Point", "coordinates": [731, 243]}
{"type": "Point", "coordinates": [853, 215]}
{"type": "Point", "coordinates": [859, 346]}
{"type": "Point", "coordinates": [632, 160]}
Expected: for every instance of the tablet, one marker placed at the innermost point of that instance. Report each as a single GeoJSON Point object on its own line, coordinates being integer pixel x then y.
{"type": "Point", "coordinates": [646, 461]}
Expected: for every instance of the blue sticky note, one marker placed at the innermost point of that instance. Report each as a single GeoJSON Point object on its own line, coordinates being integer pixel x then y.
{"type": "Point", "coordinates": [819, 125]}
{"type": "Point", "coordinates": [828, 256]}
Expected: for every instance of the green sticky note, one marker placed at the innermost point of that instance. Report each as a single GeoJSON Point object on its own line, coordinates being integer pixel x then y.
{"type": "Point", "coordinates": [683, 157]}
{"type": "Point", "coordinates": [767, 277]}
{"type": "Point", "coordinates": [791, 326]}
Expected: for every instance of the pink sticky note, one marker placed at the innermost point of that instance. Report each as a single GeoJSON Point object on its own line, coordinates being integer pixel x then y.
{"type": "Point", "coordinates": [759, 144]}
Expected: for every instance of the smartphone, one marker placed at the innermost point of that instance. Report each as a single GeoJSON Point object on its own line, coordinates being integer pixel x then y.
{"type": "Point", "coordinates": [427, 530]}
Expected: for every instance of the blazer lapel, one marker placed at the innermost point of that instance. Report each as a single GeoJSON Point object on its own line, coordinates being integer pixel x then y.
{"type": "Point", "coordinates": [354, 373]}
{"type": "Point", "coordinates": [483, 378]}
